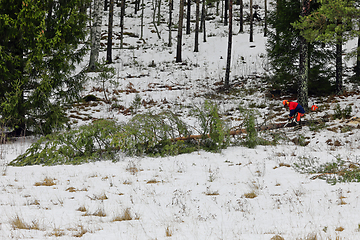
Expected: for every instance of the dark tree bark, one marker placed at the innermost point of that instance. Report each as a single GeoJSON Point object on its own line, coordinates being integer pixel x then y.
{"type": "Point", "coordinates": [203, 16]}
{"type": "Point", "coordinates": [251, 22]}
{"type": "Point", "coordinates": [137, 6]}
{"type": "Point", "coordinates": [265, 19]}
{"type": "Point", "coordinates": [105, 5]}
{"type": "Point", "coordinates": [122, 16]}
{"type": "Point", "coordinates": [170, 21]}
{"type": "Point", "coordinates": [188, 16]}
{"type": "Point", "coordinates": [304, 63]}
{"type": "Point", "coordinates": [225, 12]}
{"type": "Point", "coordinates": [357, 67]}
{"type": "Point", "coordinates": [228, 62]}
{"type": "Point", "coordinates": [179, 37]}
{"type": "Point", "coordinates": [338, 70]}
{"type": "Point", "coordinates": [241, 16]}
{"type": "Point", "coordinates": [110, 31]}
{"type": "Point", "coordinates": [196, 47]}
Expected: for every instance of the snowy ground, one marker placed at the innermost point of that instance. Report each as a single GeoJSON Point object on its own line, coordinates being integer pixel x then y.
{"type": "Point", "coordinates": [240, 193]}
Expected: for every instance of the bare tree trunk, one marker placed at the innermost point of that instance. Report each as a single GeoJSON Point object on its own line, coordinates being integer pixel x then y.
{"type": "Point", "coordinates": [137, 6]}
{"type": "Point", "coordinates": [110, 31]}
{"type": "Point", "coordinates": [265, 20]}
{"type": "Point", "coordinates": [251, 22]}
{"type": "Point", "coordinates": [338, 71]}
{"type": "Point", "coordinates": [159, 12]}
{"type": "Point", "coordinates": [228, 61]}
{"type": "Point", "coordinates": [241, 16]}
{"type": "Point", "coordinates": [122, 16]}
{"type": "Point", "coordinates": [95, 36]}
{"type": "Point", "coordinates": [188, 16]}
{"type": "Point", "coordinates": [142, 20]}
{"type": "Point", "coordinates": [196, 48]}
{"type": "Point", "coordinates": [304, 63]}
{"type": "Point", "coordinates": [170, 20]}
{"type": "Point", "coordinates": [225, 12]}
{"type": "Point", "coordinates": [357, 67]}
{"type": "Point", "coordinates": [105, 5]}
{"type": "Point", "coordinates": [179, 37]}
{"type": "Point", "coordinates": [155, 3]}
{"type": "Point", "coordinates": [204, 17]}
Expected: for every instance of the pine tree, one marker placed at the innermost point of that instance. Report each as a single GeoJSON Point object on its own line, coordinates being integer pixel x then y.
{"type": "Point", "coordinates": [331, 23]}
{"type": "Point", "coordinates": [39, 46]}
{"type": "Point", "coordinates": [283, 49]}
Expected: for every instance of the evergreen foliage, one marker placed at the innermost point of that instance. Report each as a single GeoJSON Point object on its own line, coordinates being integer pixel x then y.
{"type": "Point", "coordinates": [283, 50]}
{"type": "Point", "coordinates": [39, 48]}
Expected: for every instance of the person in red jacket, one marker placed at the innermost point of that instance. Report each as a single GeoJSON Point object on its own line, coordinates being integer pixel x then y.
{"type": "Point", "coordinates": [296, 110]}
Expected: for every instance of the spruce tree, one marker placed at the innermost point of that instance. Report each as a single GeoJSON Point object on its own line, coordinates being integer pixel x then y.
{"type": "Point", "coordinates": [39, 47]}
{"type": "Point", "coordinates": [283, 48]}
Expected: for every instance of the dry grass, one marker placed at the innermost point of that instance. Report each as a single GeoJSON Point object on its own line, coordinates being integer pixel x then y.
{"type": "Point", "coordinates": [82, 209]}
{"type": "Point", "coordinates": [277, 237]}
{"type": "Point", "coordinates": [99, 213]}
{"type": "Point", "coordinates": [18, 223]}
{"type": "Point", "coordinates": [126, 216]}
{"type": "Point", "coordinates": [152, 181]}
{"type": "Point", "coordinates": [212, 193]}
{"type": "Point", "coordinates": [57, 232]}
{"type": "Point", "coordinates": [339, 229]}
{"type": "Point", "coordinates": [100, 197]}
{"type": "Point", "coordinates": [168, 232]}
{"type": "Point", "coordinates": [250, 195]}
{"type": "Point", "coordinates": [46, 182]}
{"type": "Point", "coordinates": [81, 231]}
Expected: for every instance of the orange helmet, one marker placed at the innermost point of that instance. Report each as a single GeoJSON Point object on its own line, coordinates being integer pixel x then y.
{"type": "Point", "coordinates": [285, 102]}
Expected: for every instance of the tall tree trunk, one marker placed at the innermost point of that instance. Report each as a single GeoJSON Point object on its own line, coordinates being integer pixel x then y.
{"type": "Point", "coordinates": [228, 61]}
{"type": "Point", "coordinates": [179, 37]}
{"type": "Point", "coordinates": [95, 36]}
{"type": "Point", "coordinates": [225, 12]}
{"type": "Point", "coordinates": [251, 22]}
{"type": "Point", "coordinates": [137, 6]}
{"type": "Point", "coordinates": [110, 32]}
{"type": "Point", "coordinates": [265, 19]}
{"type": "Point", "coordinates": [338, 70]}
{"type": "Point", "coordinates": [196, 48]}
{"type": "Point", "coordinates": [159, 12]}
{"type": "Point", "coordinates": [105, 5]}
{"type": "Point", "coordinates": [357, 67]}
{"type": "Point", "coordinates": [188, 16]}
{"type": "Point", "coordinates": [155, 4]}
{"type": "Point", "coordinates": [122, 16]}
{"type": "Point", "coordinates": [241, 16]}
{"type": "Point", "coordinates": [203, 16]}
{"type": "Point", "coordinates": [142, 20]}
{"type": "Point", "coordinates": [304, 63]}
{"type": "Point", "coordinates": [170, 21]}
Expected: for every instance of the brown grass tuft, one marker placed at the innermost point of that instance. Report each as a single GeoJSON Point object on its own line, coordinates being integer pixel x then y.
{"type": "Point", "coordinates": [46, 182]}
{"type": "Point", "coordinates": [250, 195]}
{"type": "Point", "coordinates": [125, 217]}
{"type": "Point", "coordinates": [18, 223]}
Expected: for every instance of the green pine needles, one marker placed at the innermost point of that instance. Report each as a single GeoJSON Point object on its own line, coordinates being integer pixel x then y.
{"type": "Point", "coordinates": [145, 134]}
{"type": "Point", "coordinates": [41, 43]}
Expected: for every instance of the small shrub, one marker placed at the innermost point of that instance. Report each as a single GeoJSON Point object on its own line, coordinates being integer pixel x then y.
{"type": "Point", "coordinates": [342, 113]}
{"type": "Point", "coordinates": [333, 172]}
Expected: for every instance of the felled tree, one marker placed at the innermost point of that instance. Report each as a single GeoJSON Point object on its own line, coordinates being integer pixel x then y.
{"type": "Point", "coordinates": [39, 47]}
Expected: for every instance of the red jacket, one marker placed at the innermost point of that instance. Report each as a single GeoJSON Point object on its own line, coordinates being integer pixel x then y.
{"type": "Point", "coordinates": [294, 107]}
